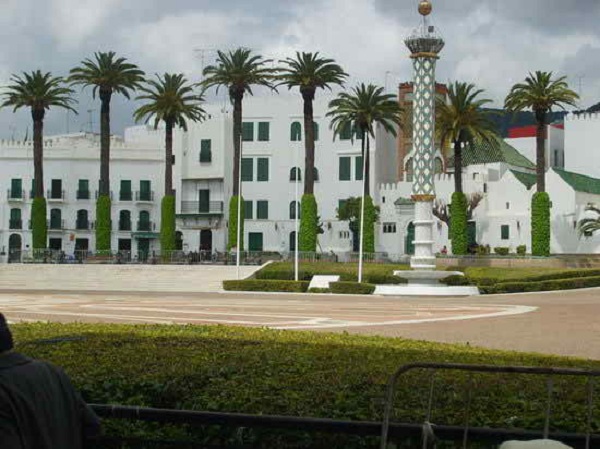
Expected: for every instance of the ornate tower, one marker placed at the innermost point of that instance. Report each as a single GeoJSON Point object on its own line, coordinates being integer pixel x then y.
{"type": "Point", "coordinates": [424, 45]}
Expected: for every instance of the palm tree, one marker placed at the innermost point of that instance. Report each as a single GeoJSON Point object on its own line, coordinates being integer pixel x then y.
{"type": "Point", "coordinates": [309, 72]}
{"type": "Point", "coordinates": [172, 100]}
{"type": "Point", "coordinates": [362, 109]}
{"type": "Point", "coordinates": [462, 120]}
{"type": "Point", "coordinates": [540, 93]}
{"type": "Point", "coordinates": [238, 71]}
{"type": "Point", "coordinates": [106, 74]}
{"type": "Point", "coordinates": [38, 91]}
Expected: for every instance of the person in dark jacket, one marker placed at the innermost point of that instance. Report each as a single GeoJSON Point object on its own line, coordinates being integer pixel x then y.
{"type": "Point", "coordinates": [39, 407]}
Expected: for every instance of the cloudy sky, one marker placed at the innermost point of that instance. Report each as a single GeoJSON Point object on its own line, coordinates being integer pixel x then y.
{"type": "Point", "coordinates": [491, 42]}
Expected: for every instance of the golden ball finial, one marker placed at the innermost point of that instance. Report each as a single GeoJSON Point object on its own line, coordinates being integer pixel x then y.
{"type": "Point", "coordinates": [425, 7]}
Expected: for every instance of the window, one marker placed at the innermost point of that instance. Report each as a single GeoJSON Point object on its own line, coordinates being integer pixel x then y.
{"type": "Point", "coordinates": [505, 232]}
{"type": "Point", "coordinates": [82, 219]}
{"type": "Point", "coordinates": [255, 241]}
{"type": "Point", "coordinates": [344, 234]}
{"type": "Point", "coordinates": [315, 174]}
{"type": "Point", "coordinates": [55, 244]}
{"type": "Point", "coordinates": [316, 131]}
{"type": "Point", "coordinates": [296, 174]}
{"type": "Point", "coordinates": [56, 189]}
{"type": "Point", "coordinates": [485, 187]}
{"type": "Point", "coordinates": [204, 201]}
{"type": "Point", "coordinates": [438, 166]}
{"type": "Point", "coordinates": [262, 210]}
{"type": "Point", "coordinates": [32, 193]}
{"type": "Point", "coordinates": [389, 228]}
{"type": "Point", "coordinates": [344, 169]}
{"type": "Point", "coordinates": [263, 131]}
{"type": "Point", "coordinates": [55, 219]}
{"type": "Point", "coordinates": [83, 189]}
{"type": "Point", "coordinates": [125, 220]}
{"type": "Point", "coordinates": [346, 132]}
{"type": "Point", "coordinates": [125, 192]}
{"type": "Point", "coordinates": [293, 241]}
{"type": "Point", "coordinates": [358, 168]}
{"type": "Point", "coordinates": [248, 131]}
{"type": "Point", "coordinates": [341, 204]}
{"type": "Point", "coordinates": [206, 151]}
{"type": "Point", "coordinates": [507, 206]}
{"type": "Point", "coordinates": [294, 206]}
{"type": "Point", "coordinates": [15, 219]}
{"type": "Point", "coordinates": [262, 169]}
{"type": "Point", "coordinates": [145, 191]}
{"type": "Point", "coordinates": [247, 169]}
{"type": "Point", "coordinates": [383, 199]}
{"type": "Point", "coordinates": [16, 189]}
{"type": "Point", "coordinates": [144, 221]}
{"type": "Point", "coordinates": [248, 210]}
{"type": "Point", "coordinates": [296, 132]}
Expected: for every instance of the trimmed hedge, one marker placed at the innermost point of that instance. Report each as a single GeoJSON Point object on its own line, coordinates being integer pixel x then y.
{"type": "Point", "coordinates": [521, 250]}
{"type": "Point", "coordinates": [167, 224]}
{"type": "Point", "coordinates": [351, 288]}
{"type": "Point", "coordinates": [502, 250]}
{"type": "Point", "coordinates": [103, 223]}
{"type": "Point", "coordinates": [319, 290]}
{"type": "Point", "coordinates": [307, 240]}
{"type": "Point", "coordinates": [254, 285]}
{"type": "Point", "coordinates": [458, 224]}
{"type": "Point", "coordinates": [39, 225]}
{"type": "Point", "coordinates": [542, 286]}
{"type": "Point", "coordinates": [540, 224]}
{"type": "Point", "coordinates": [456, 280]}
{"type": "Point", "coordinates": [370, 218]}
{"type": "Point", "coordinates": [232, 227]}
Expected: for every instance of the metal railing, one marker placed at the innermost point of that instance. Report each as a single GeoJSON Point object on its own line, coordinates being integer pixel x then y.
{"type": "Point", "coordinates": [15, 223]}
{"type": "Point", "coordinates": [197, 207]}
{"type": "Point", "coordinates": [125, 195]}
{"type": "Point", "coordinates": [146, 226]}
{"type": "Point", "coordinates": [83, 194]}
{"type": "Point", "coordinates": [56, 225]}
{"type": "Point", "coordinates": [55, 195]}
{"type": "Point", "coordinates": [15, 195]}
{"type": "Point", "coordinates": [97, 194]}
{"type": "Point", "coordinates": [144, 196]}
{"type": "Point", "coordinates": [83, 225]}
{"type": "Point", "coordinates": [124, 225]}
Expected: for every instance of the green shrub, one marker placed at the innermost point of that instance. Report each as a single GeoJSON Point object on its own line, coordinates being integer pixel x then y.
{"type": "Point", "coordinates": [521, 250]}
{"type": "Point", "coordinates": [319, 290]}
{"type": "Point", "coordinates": [456, 280]}
{"type": "Point", "coordinates": [381, 279]}
{"type": "Point", "coordinates": [458, 224]}
{"type": "Point", "coordinates": [103, 223]}
{"type": "Point", "coordinates": [39, 226]}
{"type": "Point", "coordinates": [352, 288]}
{"type": "Point", "coordinates": [370, 219]}
{"type": "Point", "coordinates": [232, 227]}
{"type": "Point", "coordinates": [542, 286]}
{"type": "Point", "coordinates": [255, 285]}
{"type": "Point", "coordinates": [307, 240]}
{"type": "Point", "coordinates": [346, 271]}
{"type": "Point", "coordinates": [483, 250]}
{"type": "Point", "coordinates": [167, 225]}
{"type": "Point", "coordinates": [540, 224]}
{"type": "Point", "coordinates": [501, 250]}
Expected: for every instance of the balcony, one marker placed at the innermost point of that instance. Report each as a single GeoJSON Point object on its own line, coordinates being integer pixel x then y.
{"type": "Point", "coordinates": [124, 225]}
{"type": "Point", "coordinates": [110, 194]}
{"type": "Point", "coordinates": [15, 196]}
{"type": "Point", "coordinates": [125, 195]}
{"type": "Point", "coordinates": [144, 197]}
{"type": "Point", "coordinates": [55, 195]}
{"type": "Point", "coordinates": [15, 223]}
{"type": "Point", "coordinates": [83, 194]}
{"type": "Point", "coordinates": [201, 208]}
{"type": "Point", "coordinates": [56, 225]}
{"type": "Point", "coordinates": [146, 226]}
{"type": "Point", "coordinates": [83, 225]}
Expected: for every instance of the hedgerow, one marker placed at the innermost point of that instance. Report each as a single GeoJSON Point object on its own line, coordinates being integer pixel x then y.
{"type": "Point", "coordinates": [167, 225]}
{"type": "Point", "coordinates": [458, 224]}
{"type": "Point", "coordinates": [352, 288]}
{"type": "Point", "coordinates": [540, 224]}
{"type": "Point", "coordinates": [372, 273]}
{"type": "Point", "coordinates": [253, 285]}
{"type": "Point", "coordinates": [39, 226]}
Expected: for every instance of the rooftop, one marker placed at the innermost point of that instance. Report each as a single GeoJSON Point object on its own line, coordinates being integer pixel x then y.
{"type": "Point", "coordinates": [485, 153]}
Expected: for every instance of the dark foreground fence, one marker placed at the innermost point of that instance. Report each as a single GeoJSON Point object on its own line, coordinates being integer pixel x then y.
{"type": "Point", "coordinates": [195, 429]}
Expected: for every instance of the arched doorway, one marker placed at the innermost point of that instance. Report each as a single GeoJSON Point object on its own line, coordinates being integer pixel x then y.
{"type": "Point", "coordinates": [14, 248]}
{"type": "Point", "coordinates": [206, 241]}
{"type": "Point", "coordinates": [409, 242]}
{"type": "Point", "coordinates": [178, 241]}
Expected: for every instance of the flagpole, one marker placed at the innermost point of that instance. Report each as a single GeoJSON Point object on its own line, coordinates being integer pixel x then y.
{"type": "Point", "coordinates": [239, 210]}
{"type": "Point", "coordinates": [296, 215]}
{"type": "Point", "coordinates": [362, 217]}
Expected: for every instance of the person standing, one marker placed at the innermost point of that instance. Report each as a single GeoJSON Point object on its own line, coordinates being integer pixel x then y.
{"type": "Point", "coordinates": [39, 407]}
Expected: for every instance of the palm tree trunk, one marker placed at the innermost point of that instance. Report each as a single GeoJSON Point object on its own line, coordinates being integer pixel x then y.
{"type": "Point", "coordinates": [38, 152]}
{"type": "Point", "coordinates": [458, 163]}
{"type": "Point", "coordinates": [104, 187]}
{"type": "Point", "coordinates": [540, 152]}
{"type": "Point", "coordinates": [169, 158]}
{"type": "Point", "coordinates": [367, 157]}
{"type": "Point", "coordinates": [237, 134]}
{"type": "Point", "coordinates": [308, 96]}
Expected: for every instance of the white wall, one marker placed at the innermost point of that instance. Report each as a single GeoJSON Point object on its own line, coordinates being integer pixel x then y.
{"type": "Point", "coordinates": [582, 137]}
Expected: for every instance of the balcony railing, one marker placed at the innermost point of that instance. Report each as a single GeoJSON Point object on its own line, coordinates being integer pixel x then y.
{"type": "Point", "coordinates": [82, 225]}
{"type": "Point", "coordinates": [144, 196]}
{"type": "Point", "coordinates": [146, 226]}
{"type": "Point", "coordinates": [124, 225]}
{"type": "Point", "coordinates": [125, 195]}
{"type": "Point", "coordinates": [55, 195]}
{"type": "Point", "coordinates": [83, 194]}
{"type": "Point", "coordinates": [110, 194]}
{"type": "Point", "coordinates": [94, 224]}
{"type": "Point", "coordinates": [197, 207]}
{"type": "Point", "coordinates": [15, 223]}
{"type": "Point", "coordinates": [15, 195]}
{"type": "Point", "coordinates": [57, 225]}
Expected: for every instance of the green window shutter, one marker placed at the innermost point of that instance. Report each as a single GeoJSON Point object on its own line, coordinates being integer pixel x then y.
{"type": "Point", "coordinates": [16, 188]}
{"type": "Point", "coordinates": [316, 130]}
{"type": "Point", "coordinates": [125, 192]}
{"type": "Point", "coordinates": [341, 204]}
{"type": "Point", "coordinates": [358, 168]}
{"type": "Point", "coordinates": [262, 210]}
{"type": "Point", "coordinates": [204, 201]}
{"type": "Point", "coordinates": [206, 150]}
{"type": "Point", "coordinates": [346, 132]}
{"type": "Point", "coordinates": [145, 190]}
{"type": "Point", "coordinates": [296, 132]}
{"type": "Point", "coordinates": [294, 205]}
{"type": "Point", "coordinates": [55, 218]}
{"type": "Point", "coordinates": [15, 214]}
{"type": "Point", "coordinates": [247, 169]}
{"type": "Point", "coordinates": [262, 169]}
{"type": "Point", "coordinates": [83, 189]}
{"type": "Point", "coordinates": [315, 173]}
{"type": "Point", "coordinates": [505, 232]}
{"type": "Point", "coordinates": [248, 131]}
{"type": "Point", "coordinates": [344, 168]}
{"type": "Point", "coordinates": [248, 210]}
{"type": "Point", "coordinates": [263, 131]}
{"type": "Point", "coordinates": [32, 188]}
{"type": "Point", "coordinates": [255, 241]}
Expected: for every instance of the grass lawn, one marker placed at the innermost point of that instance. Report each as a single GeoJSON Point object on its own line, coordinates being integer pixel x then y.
{"type": "Point", "coordinates": [296, 373]}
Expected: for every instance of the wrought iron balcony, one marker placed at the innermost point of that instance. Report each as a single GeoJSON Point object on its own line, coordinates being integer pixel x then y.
{"type": "Point", "coordinates": [125, 225]}
{"type": "Point", "coordinates": [125, 195]}
{"type": "Point", "coordinates": [146, 226]}
{"type": "Point", "coordinates": [83, 194]}
{"type": "Point", "coordinates": [144, 196]}
{"type": "Point", "coordinates": [15, 223]}
{"type": "Point", "coordinates": [201, 207]}
{"type": "Point", "coordinates": [56, 225]}
{"type": "Point", "coordinates": [82, 225]}
{"type": "Point", "coordinates": [15, 195]}
{"type": "Point", "coordinates": [55, 195]}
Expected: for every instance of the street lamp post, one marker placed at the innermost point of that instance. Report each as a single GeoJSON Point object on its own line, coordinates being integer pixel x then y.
{"type": "Point", "coordinates": [239, 212]}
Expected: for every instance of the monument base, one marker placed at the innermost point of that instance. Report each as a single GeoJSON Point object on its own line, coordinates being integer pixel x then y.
{"type": "Point", "coordinates": [426, 283]}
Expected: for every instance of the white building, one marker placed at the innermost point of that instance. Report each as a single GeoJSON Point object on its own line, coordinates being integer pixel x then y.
{"type": "Point", "coordinates": [523, 139]}
{"type": "Point", "coordinates": [582, 144]}
{"type": "Point", "coordinates": [71, 175]}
